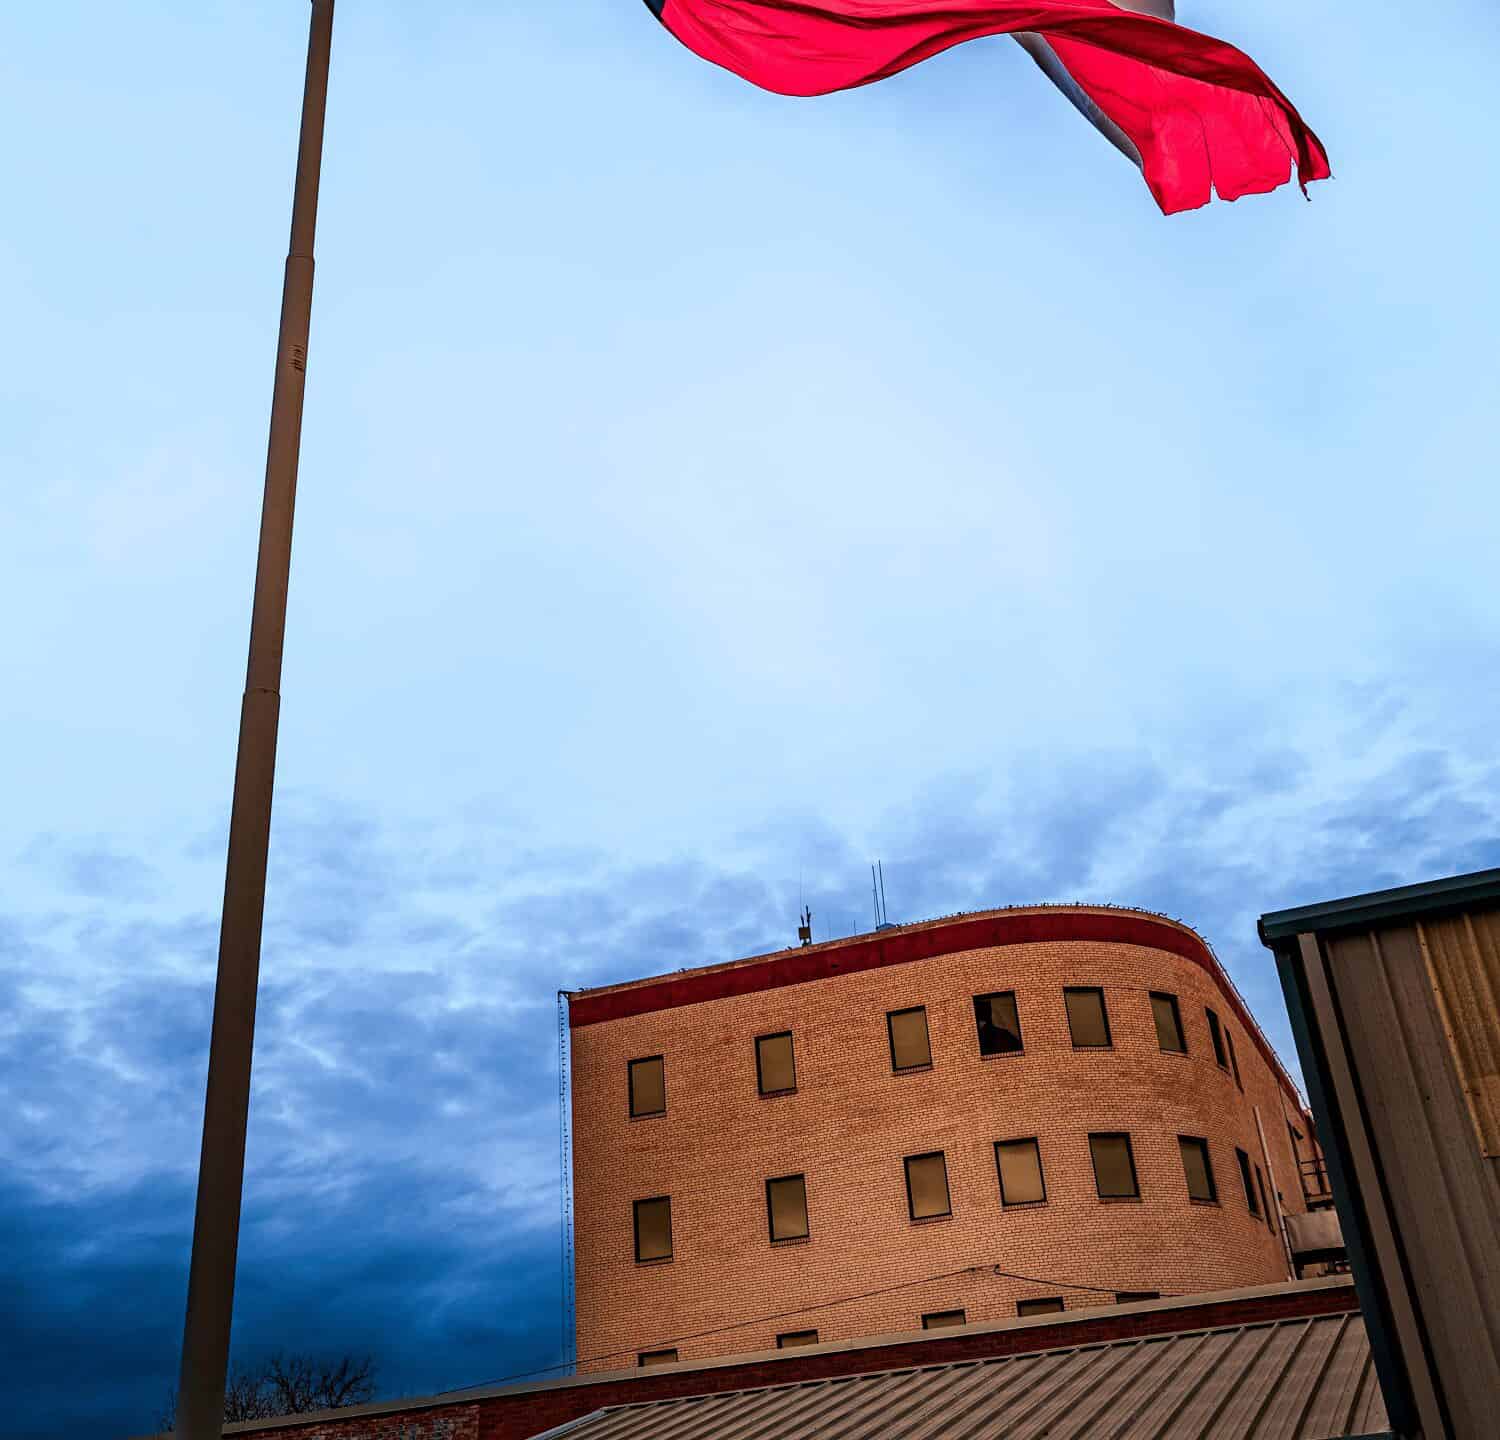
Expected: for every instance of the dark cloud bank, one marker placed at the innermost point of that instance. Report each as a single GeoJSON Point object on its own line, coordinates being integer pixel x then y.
{"type": "Point", "coordinates": [401, 1192]}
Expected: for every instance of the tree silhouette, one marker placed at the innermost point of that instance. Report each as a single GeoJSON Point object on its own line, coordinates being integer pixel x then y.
{"type": "Point", "coordinates": [286, 1384]}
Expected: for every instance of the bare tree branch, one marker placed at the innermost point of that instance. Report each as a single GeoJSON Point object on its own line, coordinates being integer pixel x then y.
{"type": "Point", "coordinates": [288, 1385]}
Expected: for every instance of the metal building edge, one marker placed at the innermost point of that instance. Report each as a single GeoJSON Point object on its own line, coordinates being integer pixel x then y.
{"type": "Point", "coordinates": [1431, 898]}
{"type": "Point", "coordinates": [1296, 938]}
{"type": "Point", "coordinates": [1355, 1224]}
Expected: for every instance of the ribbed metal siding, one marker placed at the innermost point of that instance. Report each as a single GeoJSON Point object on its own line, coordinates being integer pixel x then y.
{"type": "Point", "coordinates": [1291, 1380]}
{"type": "Point", "coordinates": [1442, 1192]}
{"type": "Point", "coordinates": [1463, 964]}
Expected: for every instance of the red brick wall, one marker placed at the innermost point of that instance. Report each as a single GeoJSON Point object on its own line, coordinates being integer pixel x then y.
{"type": "Point", "coordinates": [441, 1422]}
{"type": "Point", "coordinates": [851, 1122]}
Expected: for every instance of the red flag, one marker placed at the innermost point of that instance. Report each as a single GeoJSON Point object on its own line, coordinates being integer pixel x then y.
{"type": "Point", "coordinates": [1204, 116]}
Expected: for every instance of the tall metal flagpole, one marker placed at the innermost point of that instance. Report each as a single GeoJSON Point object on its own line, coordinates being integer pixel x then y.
{"type": "Point", "coordinates": [221, 1166]}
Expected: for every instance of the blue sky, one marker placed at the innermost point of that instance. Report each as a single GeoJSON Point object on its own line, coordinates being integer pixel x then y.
{"type": "Point", "coordinates": [703, 495]}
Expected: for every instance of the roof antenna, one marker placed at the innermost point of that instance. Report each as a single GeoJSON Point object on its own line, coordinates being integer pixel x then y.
{"type": "Point", "coordinates": [877, 887]}
{"type": "Point", "coordinates": [804, 930]}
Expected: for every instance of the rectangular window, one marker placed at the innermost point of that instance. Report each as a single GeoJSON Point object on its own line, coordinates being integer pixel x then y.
{"type": "Point", "coordinates": [942, 1319]}
{"type": "Point", "coordinates": [775, 1064]}
{"type": "Point", "coordinates": [1245, 1180]}
{"type": "Point", "coordinates": [1198, 1169]}
{"type": "Point", "coordinates": [1047, 1305]}
{"type": "Point", "coordinates": [910, 1049]}
{"type": "Point", "coordinates": [656, 1357]}
{"type": "Point", "coordinates": [998, 1022]}
{"type": "Point", "coordinates": [1169, 1034]}
{"type": "Point", "coordinates": [1234, 1063]}
{"type": "Point", "coordinates": [653, 1228]}
{"type": "Point", "coordinates": [786, 1207]}
{"type": "Point", "coordinates": [927, 1186]}
{"type": "Point", "coordinates": [793, 1338]}
{"type": "Point", "coordinates": [648, 1086]}
{"type": "Point", "coordinates": [1265, 1203]}
{"type": "Point", "coordinates": [1088, 1020]}
{"type": "Point", "coordinates": [1020, 1165]}
{"type": "Point", "coordinates": [1114, 1167]}
{"type": "Point", "coordinates": [1217, 1036]}
{"type": "Point", "coordinates": [1131, 1297]}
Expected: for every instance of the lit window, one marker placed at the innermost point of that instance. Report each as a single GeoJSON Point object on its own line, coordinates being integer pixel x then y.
{"type": "Point", "coordinates": [999, 1024]}
{"type": "Point", "coordinates": [1245, 1180]}
{"type": "Point", "coordinates": [653, 1228]}
{"type": "Point", "coordinates": [1234, 1063]}
{"type": "Point", "coordinates": [1020, 1165]}
{"type": "Point", "coordinates": [910, 1049]}
{"type": "Point", "coordinates": [794, 1338]}
{"type": "Point", "coordinates": [1132, 1297]}
{"type": "Point", "coordinates": [1114, 1167]}
{"type": "Point", "coordinates": [927, 1186]}
{"type": "Point", "coordinates": [1198, 1169]}
{"type": "Point", "coordinates": [942, 1319]}
{"type": "Point", "coordinates": [1088, 1020]}
{"type": "Point", "coordinates": [648, 1086]}
{"type": "Point", "coordinates": [1169, 1034]}
{"type": "Point", "coordinates": [1217, 1036]}
{"type": "Point", "coordinates": [1047, 1305]}
{"type": "Point", "coordinates": [656, 1357]}
{"type": "Point", "coordinates": [786, 1207]}
{"type": "Point", "coordinates": [775, 1065]}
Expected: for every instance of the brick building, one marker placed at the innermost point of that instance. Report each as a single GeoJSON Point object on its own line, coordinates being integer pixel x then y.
{"type": "Point", "coordinates": [937, 1124]}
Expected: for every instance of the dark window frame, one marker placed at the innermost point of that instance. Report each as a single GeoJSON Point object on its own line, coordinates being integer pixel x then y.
{"type": "Point", "coordinates": [1109, 1037]}
{"type": "Point", "coordinates": [636, 1228]}
{"type": "Point", "coordinates": [1041, 1305]}
{"type": "Point", "coordinates": [1019, 1048]}
{"type": "Point", "coordinates": [1265, 1200]}
{"type": "Point", "coordinates": [943, 1319]}
{"type": "Point", "coordinates": [1247, 1181]}
{"type": "Point", "coordinates": [630, 1086]}
{"type": "Point", "coordinates": [911, 1209]}
{"type": "Point", "coordinates": [760, 1079]}
{"type": "Point", "coordinates": [1234, 1060]}
{"type": "Point", "coordinates": [645, 1359]}
{"type": "Point", "coordinates": [1181, 1047]}
{"type": "Point", "coordinates": [796, 1339]}
{"type": "Point", "coordinates": [1135, 1174]}
{"type": "Point", "coordinates": [890, 1035]}
{"type": "Point", "coordinates": [770, 1214]}
{"type": "Point", "coordinates": [1036, 1145]}
{"type": "Point", "coordinates": [1216, 1039]}
{"type": "Point", "coordinates": [1212, 1198]}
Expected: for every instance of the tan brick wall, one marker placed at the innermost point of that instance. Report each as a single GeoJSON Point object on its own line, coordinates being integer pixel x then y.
{"type": "Point", "coordinates": [852, 1120]}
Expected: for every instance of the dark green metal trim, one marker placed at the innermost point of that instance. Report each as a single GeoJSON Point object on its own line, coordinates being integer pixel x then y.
{"type": "Point", "coordinates": [1431, 897]}
{"type": "Point", "coordinates": [1395, 1385]}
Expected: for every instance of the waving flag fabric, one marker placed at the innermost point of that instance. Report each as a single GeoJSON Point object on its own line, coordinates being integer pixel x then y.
{"type": "Point", "coordinates": [1046, 58]}
{"type": "Point", "coordinates": [1201, 116]}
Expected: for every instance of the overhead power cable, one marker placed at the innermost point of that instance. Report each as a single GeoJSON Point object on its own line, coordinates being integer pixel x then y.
{"type": "Point", "coordinates": [788, 1314]}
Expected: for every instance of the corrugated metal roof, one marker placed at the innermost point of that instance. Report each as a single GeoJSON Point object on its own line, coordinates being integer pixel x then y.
{"type": "Point", "coordinates": [1305, 1379]}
